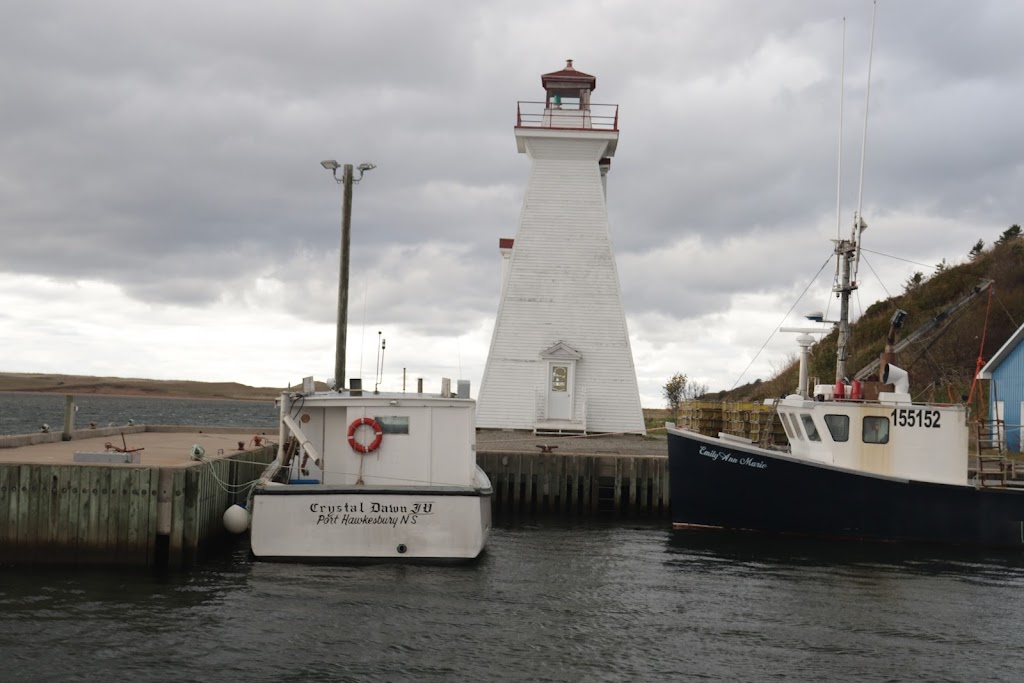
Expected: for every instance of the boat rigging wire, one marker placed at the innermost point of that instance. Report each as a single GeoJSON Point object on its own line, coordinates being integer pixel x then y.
{"type": "Point", "coordinates": [899, 258]}
{"type": "Point", "coordinates": [871, 268]}
{"type": "Point", "coordinates": [775, 329]}
{"type": "Point", "coordinates": [839, 163]}
{"type": "Point", "coordinates": [1001, 304]}
{"type": "Point", "coordinates": [981, 354]}
{"type": "Point", "coordinates": [859, 219]}
{"type": "Point", "coordinates": [362, 342]}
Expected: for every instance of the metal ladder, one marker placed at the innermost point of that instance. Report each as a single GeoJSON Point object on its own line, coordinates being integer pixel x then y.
{"type": "Point", "coordinates": [994, 468]}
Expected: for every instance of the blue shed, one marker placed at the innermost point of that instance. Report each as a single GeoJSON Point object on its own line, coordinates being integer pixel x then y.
{"type": "Point", "coordinates": [1006, 389]}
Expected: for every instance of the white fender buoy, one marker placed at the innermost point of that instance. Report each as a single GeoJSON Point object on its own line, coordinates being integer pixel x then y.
{"type": "Point", "coordinates": [236, 519]}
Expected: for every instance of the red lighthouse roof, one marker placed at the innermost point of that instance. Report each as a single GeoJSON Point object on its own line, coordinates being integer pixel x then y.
{"type": "Point", "coordinates": [568, 81]}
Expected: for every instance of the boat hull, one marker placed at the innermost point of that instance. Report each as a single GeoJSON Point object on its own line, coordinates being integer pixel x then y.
{"type": "Point", "coordinates": [721, 484]}
{"type": "Point", "coordinates": [328, 522]}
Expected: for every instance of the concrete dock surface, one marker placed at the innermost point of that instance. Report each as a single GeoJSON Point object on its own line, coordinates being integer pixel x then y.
{"type": "Point", "coordinates": [489, 440]}
{"type": "Point", "coordinates": [159, 448]}
{"type": "Point", "coordinates": [169, 448]}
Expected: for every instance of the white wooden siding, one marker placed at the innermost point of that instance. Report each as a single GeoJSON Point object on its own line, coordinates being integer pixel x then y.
{"type": "Point", "coordinates": [562, 285]}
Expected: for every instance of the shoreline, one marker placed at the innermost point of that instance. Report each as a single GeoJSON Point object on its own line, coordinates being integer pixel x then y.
{"type": "Point", "coordinates": [130, 393]}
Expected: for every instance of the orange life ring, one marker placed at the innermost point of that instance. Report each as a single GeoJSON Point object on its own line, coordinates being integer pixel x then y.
{"type": "Point", "coordinates": [377, 431]}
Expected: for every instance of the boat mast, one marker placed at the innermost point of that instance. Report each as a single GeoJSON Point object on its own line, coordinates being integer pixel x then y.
{"type": "Point", "coordinates": [346, 181]}
{"type": "Point", "coordinates": [848, 251]}
{"type": "Point", "coordinates": [845, 250]}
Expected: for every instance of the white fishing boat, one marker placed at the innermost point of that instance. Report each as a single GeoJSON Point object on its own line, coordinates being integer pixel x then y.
{"type": "Point", "coordinates": [369, 475]}
{"type": "Point", "coordinates": [373, 475]}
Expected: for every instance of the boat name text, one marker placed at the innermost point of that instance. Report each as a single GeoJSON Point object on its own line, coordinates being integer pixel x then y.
{"type": "Point", "coordinates": [369, 512]}
{"type": "Point", "coordinates": [724, 456]}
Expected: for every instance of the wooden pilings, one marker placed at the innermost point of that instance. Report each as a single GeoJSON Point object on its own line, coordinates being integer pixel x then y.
{"type": "Point", "coordinates": [584, 485]}
{"type": "Point", "coordinates": [132, 515]}
{"type": "Point", "coordinates": [109, 514]}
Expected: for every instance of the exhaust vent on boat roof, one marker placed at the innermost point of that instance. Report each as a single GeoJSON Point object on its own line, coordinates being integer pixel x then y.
{"type": "Point", "coordinates": [897, 377]}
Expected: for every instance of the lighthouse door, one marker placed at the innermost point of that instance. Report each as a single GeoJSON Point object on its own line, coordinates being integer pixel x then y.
{"type": "Point", "coordinates": [560, 390]}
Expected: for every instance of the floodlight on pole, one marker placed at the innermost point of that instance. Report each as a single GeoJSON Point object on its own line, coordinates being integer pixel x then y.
{"type": "Point", "coordinates": [346, 181]}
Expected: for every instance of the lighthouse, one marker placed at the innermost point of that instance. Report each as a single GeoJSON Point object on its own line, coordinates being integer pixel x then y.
{"type": "Point", "coordinates": [560, 359]}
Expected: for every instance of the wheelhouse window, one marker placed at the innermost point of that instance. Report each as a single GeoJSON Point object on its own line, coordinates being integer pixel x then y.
{"type": "Point", "coordinates": [785, 426]}
{"type": "Point", "coordinates": [791, 426]}
{"type": "Point", "coordinates": [812, 431]}
{"type": "Point", "coordinates": [875, 430]}
{"type": "Point", "coordinates": [794, 426]}
{"type": "Point", "coordinates": [393, 424]}
{"type": "Point", "coordinates": [838, 427]}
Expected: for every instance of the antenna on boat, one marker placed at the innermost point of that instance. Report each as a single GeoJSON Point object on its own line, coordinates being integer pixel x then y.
{"type": "Point", "coordinates": [839, 162]}
{"type": "Point", "coordinates": [380, 362]}
{"type": "Point", "coordinates": [859, 224]}
{"type": "Point", "coordinates": [848, 251]}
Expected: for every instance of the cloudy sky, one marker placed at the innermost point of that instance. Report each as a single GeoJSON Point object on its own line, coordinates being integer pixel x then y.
{"type": "Point", "coordinates": [164, 214]}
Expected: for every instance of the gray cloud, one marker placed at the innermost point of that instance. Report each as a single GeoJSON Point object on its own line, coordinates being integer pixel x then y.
{"type": "Point", "coordinates": [174, 150]}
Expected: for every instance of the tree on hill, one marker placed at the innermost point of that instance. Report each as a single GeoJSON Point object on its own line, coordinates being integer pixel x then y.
{"type": "Point", "coordinates": [976, 250]}
{"type": "Point", "coordinates": [1010, 234]}
{"type": "Point", "coordinates": [913, 282]}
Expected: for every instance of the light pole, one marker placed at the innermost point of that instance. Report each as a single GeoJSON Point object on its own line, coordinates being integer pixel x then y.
{"type": "Point", "coordinates": [346, 181]}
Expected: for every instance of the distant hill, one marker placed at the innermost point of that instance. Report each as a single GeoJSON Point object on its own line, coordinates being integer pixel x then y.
{"type": "Point", "coordinates": [941, 363]}
{"type": "Point", "coordinates": [120, 386]}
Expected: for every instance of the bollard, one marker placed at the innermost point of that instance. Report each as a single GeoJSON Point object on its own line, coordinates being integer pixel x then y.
{"type": "Point", "coordinates": [69, 418]}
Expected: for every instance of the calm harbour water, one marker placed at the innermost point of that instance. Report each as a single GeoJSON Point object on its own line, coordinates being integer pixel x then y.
{"type": "Point", "coordinates": [548, 601]}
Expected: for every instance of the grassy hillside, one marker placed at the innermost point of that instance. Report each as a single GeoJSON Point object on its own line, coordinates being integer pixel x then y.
{"type": "Point", "coordinates": [942, 363]}
{"type": "Point", "coordinates": [78, 384]}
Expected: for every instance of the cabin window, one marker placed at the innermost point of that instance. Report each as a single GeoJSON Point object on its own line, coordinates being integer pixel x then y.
{"type": "Point", "coordinates": [876, 430]}
{"type": "Point", "coordinates": [838, 427]}
{"type": "Point", "coordinates": [812, 431]}
{"type": "Point", "coordinates": [793, 426]}
{"type": "Point", "coordinates": [393, 424]}
{"type": "Point", "coordinates": [785, 426]}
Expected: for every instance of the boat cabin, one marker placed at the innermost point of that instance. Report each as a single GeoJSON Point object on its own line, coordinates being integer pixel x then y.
{"type": "Point", "coordinates": [890, 436]}
{"type": "Point", "coordinates": [385, 439]}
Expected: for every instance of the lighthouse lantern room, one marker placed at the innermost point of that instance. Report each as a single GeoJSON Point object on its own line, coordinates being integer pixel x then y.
{"type": "Point", "coordinates": [560, 358]}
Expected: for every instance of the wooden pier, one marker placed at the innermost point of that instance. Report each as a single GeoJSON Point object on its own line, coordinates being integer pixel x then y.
{"type": "Point", "coordinates": [607, 475]}
{"type": "Point", "coordinates": [165, 510]}
{"type": "Point", "coordinates": [577, 485]}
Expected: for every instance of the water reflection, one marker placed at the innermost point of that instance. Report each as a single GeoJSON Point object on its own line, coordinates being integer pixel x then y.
{"type": "Point", "coordinates": [547, 601]}
{"type": "Point", "coordinates": [765, 550]}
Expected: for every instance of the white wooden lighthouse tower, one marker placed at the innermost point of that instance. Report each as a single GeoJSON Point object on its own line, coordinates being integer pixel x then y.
{"type": "Point", "coordinates": [560, 359]}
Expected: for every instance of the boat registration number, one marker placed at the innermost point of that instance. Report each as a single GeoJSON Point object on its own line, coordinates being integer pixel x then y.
{"type": "Point", "coordinates": [910, 417]}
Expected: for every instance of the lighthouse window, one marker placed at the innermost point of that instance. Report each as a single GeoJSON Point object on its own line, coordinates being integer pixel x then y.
{"type": "Point", "coordinates": [812, 431]}
{"type": "Point", "coordinates": [559, 378]}
{"type": "Point", "coordinates": [838, 427]}
{"type": "Point", "coordinates": [876, 430]}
